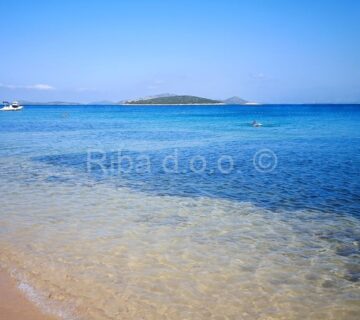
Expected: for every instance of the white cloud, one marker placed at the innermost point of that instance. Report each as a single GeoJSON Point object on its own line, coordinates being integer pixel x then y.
{"type": "Point", "coordinates": [39, 86]}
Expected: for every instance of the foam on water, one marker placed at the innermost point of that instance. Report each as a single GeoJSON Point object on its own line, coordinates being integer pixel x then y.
{"type": "Point", "coordinates": [45, 303]}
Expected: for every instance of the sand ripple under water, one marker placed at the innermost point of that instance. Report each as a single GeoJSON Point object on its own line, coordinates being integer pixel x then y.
{"type": "Point", "coordinates": [94, 251]}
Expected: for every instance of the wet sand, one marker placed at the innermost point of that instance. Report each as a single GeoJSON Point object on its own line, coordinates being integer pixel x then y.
{"type": "Point", "coordinates": [14, 305]}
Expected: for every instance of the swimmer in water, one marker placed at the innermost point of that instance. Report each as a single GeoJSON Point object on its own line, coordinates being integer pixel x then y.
{"type": "Point", "coordinates": [256, 124]}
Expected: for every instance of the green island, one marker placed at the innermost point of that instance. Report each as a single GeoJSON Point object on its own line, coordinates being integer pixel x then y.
{"type": "Point", "coordinates": [175, 100]}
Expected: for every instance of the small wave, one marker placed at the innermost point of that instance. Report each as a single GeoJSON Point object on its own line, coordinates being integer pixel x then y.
{"type": "Point", "coordinates": [43, 301]}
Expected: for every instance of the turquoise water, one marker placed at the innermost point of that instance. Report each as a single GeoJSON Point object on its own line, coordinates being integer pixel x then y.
{"type": "Point", "coordinates": [157, 211]}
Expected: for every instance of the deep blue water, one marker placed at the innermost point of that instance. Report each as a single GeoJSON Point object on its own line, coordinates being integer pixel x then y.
{"type": "Point", "coordinates": [311, 153]}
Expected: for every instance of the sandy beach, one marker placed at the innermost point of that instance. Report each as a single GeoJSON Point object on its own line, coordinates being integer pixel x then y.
{"type": "Point", "coordinates": [14, 305]}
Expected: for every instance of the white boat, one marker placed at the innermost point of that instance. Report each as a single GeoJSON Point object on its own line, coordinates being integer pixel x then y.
{"type": "Point", "coordinates": [15, 106]}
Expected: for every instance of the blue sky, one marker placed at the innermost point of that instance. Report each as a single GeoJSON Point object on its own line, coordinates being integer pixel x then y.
{"type": "Point", "coordinates": [266, 51]}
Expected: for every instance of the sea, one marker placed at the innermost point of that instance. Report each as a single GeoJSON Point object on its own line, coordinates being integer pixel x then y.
{"type": "Point", "coordinates": [183, 212]}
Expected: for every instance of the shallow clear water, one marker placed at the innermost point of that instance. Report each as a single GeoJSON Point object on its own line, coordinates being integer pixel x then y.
{"type": "Point", "coordinates": [183, 212]}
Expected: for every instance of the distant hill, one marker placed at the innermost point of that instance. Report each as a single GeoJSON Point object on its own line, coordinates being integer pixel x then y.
{"type": "Point", "coordinates": [160, 99]}
{"type": "Point", "coordinates": [50, 103]}
{"type": "Point", "coordinates": [161, 95]}
{"type": "Point", "coordinates": [171, 100]}
{"type": "Point", "coordinates": [235, 100]}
